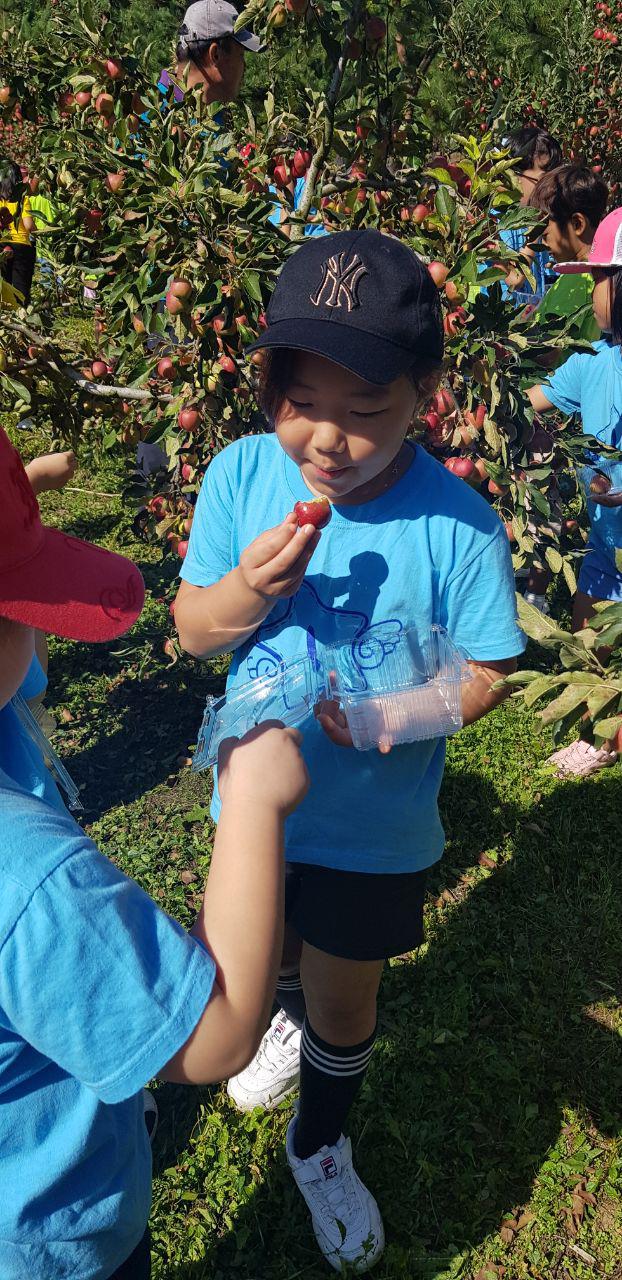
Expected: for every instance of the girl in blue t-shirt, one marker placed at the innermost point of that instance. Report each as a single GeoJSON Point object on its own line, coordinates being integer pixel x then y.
{"type": "Point", "coordinates": [352, 350]}
{"type": "Point", "coordinates": [591, 384]}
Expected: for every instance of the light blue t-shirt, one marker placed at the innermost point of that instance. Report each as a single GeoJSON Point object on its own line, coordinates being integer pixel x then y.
{"type": "Point", "coordinates": [20, 758]}
{"type": "Point", "coordinates": [98, 990]}
{"type": "Point", "coordinates": [591, 385]}
{"type": "Point", "coordinates": [430, 550]}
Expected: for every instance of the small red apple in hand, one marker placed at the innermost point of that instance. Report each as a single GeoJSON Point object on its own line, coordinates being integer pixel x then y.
{"type": "Point", "coordinates": [317, 512]}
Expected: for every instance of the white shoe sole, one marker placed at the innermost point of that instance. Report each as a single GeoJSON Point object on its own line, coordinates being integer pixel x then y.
{"type": "Point", "coordinates": [361, 1262]}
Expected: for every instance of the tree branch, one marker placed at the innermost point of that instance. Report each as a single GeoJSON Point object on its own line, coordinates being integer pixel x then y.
{"type": "Point", "coordinates": [103, 390]}
{"type": "Point", "coordinates": [330, 102]}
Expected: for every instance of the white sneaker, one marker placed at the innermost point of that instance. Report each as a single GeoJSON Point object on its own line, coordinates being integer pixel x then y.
{"type": "Point", "coordinates": [539, 602]}
{"type": "Point", "coordinates": [346, 1219]}
{"type": "Point", "coordinates": [274, 1071]}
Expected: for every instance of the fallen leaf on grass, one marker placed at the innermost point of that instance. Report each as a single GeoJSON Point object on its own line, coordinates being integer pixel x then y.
{"type": "Point", "coordinates": [582, 1254]}
{"type": "Point", "coordinates": [507, 1235]}
{"type": "Point", "coordinates": [66, 715]}
{"type": "Point", "coordinates": [187, 877]}
{"type": "Point", "coordinates": [485, 861]}
{"type": "Point", "coordinates": [490, 1272]}
{"type": "Point", "coordinates": [525, 1219]}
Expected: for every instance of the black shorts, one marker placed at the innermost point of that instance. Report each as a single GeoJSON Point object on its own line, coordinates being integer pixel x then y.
{"type": "Point", "coordinates": [353, 914]}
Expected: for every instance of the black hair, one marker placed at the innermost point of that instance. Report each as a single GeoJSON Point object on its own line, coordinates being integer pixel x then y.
{"type": "Point", "coordinates": [194, 52]}
{"type": "Point", "coordinates": [530, 145]}
{"type": "Point", "coordinates": [570, 189]}
{"type": "Point", "coordinates": [275, 373]}
{"type": "Point", "coordinates": [10, 181]}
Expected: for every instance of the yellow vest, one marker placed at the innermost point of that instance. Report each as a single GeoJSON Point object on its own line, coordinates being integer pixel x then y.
{"type": "Point", "coordinates": [12, 234]}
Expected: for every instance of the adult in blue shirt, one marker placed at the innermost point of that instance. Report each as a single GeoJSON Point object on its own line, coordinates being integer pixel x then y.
{"type": "Point", "coordinates": [99, 988]}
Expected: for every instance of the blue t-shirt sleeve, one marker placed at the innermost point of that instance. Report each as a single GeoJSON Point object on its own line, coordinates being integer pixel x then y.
{"type": "Point", "coordinates": [563, 388]}
{"type": "Point", "coordinates": [209, 555]}
{"type": "Point", "coordinates": [35, 680]}
{"type": "Point", "coordinates": [479, 604]}
{"type": "Point", "coordinates": [97, 978]}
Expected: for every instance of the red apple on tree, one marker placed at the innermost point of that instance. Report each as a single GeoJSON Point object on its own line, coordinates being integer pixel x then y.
{"type": "Point", "coordinates": [300, 163]}
{"type": "Point", "coordinates": [188, 419]}
{"type": "Point", "coordinates": [166, 368]}
{"type": "Point", "coordinates": [104, 105]}
{"type": "Point", "coordinates": [317, 512]}
{"type": "Point", "coordinates": [114, 181]}
{"type": "Point", "coordinates": [439, 272]}
{"type": "Point", "coordinates": [114, 69]}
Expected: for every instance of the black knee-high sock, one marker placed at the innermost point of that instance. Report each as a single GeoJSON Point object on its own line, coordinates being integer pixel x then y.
{"type": "Point", "coordinates": [290, 995]}
{"type": "Point", "coordinates": [330, 1078]}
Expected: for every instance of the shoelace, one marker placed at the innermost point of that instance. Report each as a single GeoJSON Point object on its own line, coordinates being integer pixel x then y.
{"type": "Point", "coordinates": [274, 1052]}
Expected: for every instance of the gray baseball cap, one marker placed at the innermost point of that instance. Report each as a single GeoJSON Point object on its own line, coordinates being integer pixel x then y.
{"type": "Point", "coordinates": [208, 20]}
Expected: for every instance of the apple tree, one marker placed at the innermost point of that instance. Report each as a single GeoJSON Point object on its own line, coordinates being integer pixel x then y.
{"type": "Point", "coordinates": [181, 215]}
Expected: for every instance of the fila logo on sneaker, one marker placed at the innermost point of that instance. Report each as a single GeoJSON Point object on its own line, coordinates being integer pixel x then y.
{"type": "Point", "coordinates": [328, 1167]}
{"type": "Point", "coordinates": [279, 1031]}
{"type": "Point", "coordinates": [340, 282]}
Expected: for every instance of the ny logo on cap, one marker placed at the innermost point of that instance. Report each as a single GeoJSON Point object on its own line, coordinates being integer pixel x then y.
{"type": "Point", "coordinates": [340, 282]}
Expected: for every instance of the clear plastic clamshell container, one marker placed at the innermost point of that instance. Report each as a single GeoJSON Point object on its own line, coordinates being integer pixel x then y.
{"type": "Point", "coordinates": [611, 470]}
{"type": "Point", "coordinates": [403, 688]}
{"type": "Point", "coordinates": [289, 696]}
{"type": "Point", "coordinates": [393, 686]}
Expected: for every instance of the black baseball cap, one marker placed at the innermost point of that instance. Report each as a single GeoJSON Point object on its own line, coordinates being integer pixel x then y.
{"type": "Point", "coordinates": [361, 299]}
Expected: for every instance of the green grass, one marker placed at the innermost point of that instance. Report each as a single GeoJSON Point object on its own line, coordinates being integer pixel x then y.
{"type": "Point", "coordinates": [493, 1098]}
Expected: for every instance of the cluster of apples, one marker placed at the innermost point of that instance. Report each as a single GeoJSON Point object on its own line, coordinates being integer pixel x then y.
{"type": "Point", "coordinates": [446, 427]}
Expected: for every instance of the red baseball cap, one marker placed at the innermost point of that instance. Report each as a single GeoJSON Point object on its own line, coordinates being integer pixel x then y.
{"type": "Point", "coordinates": [51, 581]}
{"type": "Point", "coordinates": [605, 251]}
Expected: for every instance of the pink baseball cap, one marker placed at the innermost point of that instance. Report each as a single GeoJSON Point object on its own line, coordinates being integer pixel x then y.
{"type": "Point", "coordinates": [606, 250]}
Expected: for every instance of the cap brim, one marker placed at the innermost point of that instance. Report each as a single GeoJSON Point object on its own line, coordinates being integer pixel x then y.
{"type": "Point", "coordinates": [248, 40]}
{"type": "Point", "coordinates": [577, 268]}
{"type": "Point", "coordinates": [370, 357]}
{"type": "Point", "coordinates": [74, 590]}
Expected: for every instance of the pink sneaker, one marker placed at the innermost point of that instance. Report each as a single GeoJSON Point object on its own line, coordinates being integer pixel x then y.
{"type": "Point", "coordinates": [581, 759]}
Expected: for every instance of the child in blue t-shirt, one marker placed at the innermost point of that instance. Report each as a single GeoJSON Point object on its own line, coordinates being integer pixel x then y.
{"type": "Point", "coordinates": [353, 348]}
{"type": "Point", "coordinates": [99, 989]}
{"type": "Point", "coordinates": [591, 384]}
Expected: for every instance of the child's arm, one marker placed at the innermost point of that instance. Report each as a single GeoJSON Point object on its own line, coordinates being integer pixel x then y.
{"type": "Point", "coordinates": [219, 618]}
{"type": "Point", "coordinates": [261, 780]}
{"type": "Point", "coordinates": [539, 400]}
{"type": "Point", "coordinates": [51, 471]}
{"type": "Point", "coordinates": [478, 695]}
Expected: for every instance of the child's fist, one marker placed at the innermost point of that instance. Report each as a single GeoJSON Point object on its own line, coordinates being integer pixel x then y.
{"type": "Point", "coordinates": [265, 767]}
{"type": "Point", "coordinates": [51, 471]}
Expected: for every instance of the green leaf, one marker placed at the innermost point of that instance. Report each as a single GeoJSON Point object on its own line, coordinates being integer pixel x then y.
{"type": "Point", "coordinates": [445, 203]}
{"type": "Point", "coordinates": [250, 282]}
{"type": "Point", "coordinates": [573, 697]}
{"type": "Point", "coordinates": [569, 575]}
{"type": "Point", "coordinates": [537, 625]}
{"type": "Point", "coordinates": [618, 555]}
{"type": "Point", "coordinates": [607, 729]}
{"type": "Point", "coordinates": [553, 559]}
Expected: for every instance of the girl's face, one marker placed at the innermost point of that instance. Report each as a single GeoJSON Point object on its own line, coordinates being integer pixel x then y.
{"type": "Point", "coordinates": [341, 431]}
{"type": "Point", "coordinates": [17, 647]}
{"type": "Point", "coordinates": [601, 298]}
